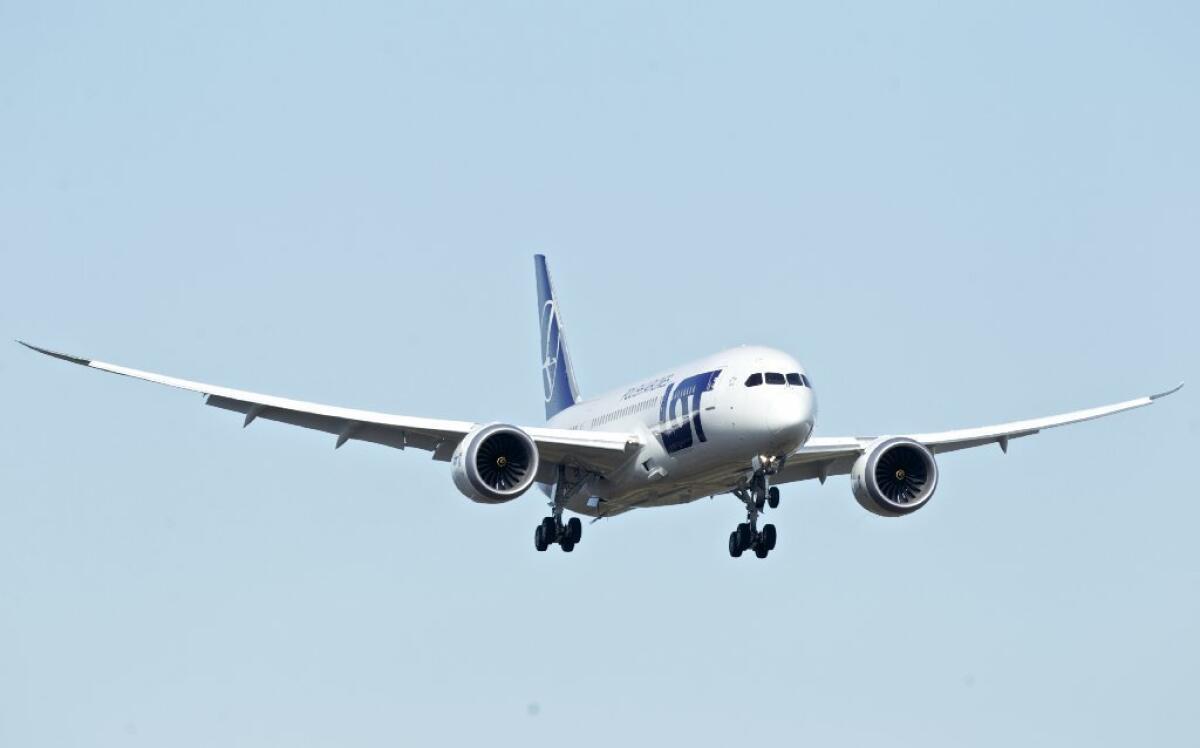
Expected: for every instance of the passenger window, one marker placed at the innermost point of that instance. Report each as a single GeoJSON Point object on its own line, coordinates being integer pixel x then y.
{"type": "Point", "coordinates": [794, 378]}
{"type": "Point", "coordinates": [754, 380]}
{"type": "Point", "coordinates": [774, 377]}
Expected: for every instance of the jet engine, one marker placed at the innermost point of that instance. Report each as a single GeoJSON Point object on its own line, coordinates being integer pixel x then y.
{"type": "Point", "coordinates": [494, 463]}
{"type": "Point", "coordinates": [894, 477]}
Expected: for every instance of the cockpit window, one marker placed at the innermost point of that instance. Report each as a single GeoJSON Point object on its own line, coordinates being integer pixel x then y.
{"type": "Point", "coordinates": [794, 378]}
{"type": "Point", "coordinates": [754, 380]}
{"type": "Point", "coordinates": [774, 377]}
{"type": "Point", "coordinates": [807, 381]}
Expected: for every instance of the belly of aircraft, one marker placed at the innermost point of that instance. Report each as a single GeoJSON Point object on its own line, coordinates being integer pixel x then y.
{"type": "Point", "coordinates": [717, 479]}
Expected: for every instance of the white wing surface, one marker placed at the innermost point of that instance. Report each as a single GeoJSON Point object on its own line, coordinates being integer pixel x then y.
{"type": "Point", "coordinates": [825, 456]}
{"type": "Point", "coordinates": [599, 451]}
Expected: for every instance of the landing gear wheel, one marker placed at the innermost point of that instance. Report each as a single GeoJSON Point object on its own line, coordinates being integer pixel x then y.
{"type": "Point", "coordinates": [745, 536]}
{"type": "Point", "coordinates": [735, 545]}
{"type": "Point", "coordinates": [768, 537]}
{"type": "Point", "coordinates": [773, 497]}
{"type": "Point", "coordinates": [574, 530]}
{"type": "Point", "coordinates": [539, 538]}
{"type": "Point", "coordinates": [549, 530]}
{"type": "Point", "coordinates": [567, 545]}
{"type": "Point", "coordinates": [760, 551]}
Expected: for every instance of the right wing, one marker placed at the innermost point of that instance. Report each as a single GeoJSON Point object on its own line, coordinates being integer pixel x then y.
{"type": "Point", "coordinates": [822, 457]}
{"type": "Point", "coordinates": [597, 451]}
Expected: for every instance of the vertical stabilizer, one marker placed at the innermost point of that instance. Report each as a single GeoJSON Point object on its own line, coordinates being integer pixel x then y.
{"type": "Point", "coordinates": [558, 379]}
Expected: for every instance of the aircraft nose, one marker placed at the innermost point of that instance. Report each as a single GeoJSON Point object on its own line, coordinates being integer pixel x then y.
{"type": "Point", "coordinates": [792, 416]}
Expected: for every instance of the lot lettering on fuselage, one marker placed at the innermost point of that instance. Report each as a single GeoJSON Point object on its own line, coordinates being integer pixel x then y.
{"type": "Point", "coordinates": [679, 412]}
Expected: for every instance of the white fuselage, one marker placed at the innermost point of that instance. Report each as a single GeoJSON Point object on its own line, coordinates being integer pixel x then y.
{"type": "Point", "coordinates": [701, 426]}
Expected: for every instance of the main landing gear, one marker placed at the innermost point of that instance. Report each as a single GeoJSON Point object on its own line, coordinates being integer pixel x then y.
{"type": "Point", "coordinates": [745, 538]}
{"type": "Point", "coordinates": [757, 495]}
{"type": "Point", "coordinates": [553, 530]}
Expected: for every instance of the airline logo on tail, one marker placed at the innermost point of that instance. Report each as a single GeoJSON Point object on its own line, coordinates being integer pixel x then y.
{"type": "Point", "coordinates": [557, 380]}
{"type": "Point", "coordinates": [551, 348]}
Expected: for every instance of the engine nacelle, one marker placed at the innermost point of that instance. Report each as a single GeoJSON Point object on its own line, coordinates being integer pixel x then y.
{"type": "Point", "coordinates": [494, 463]}
{"type": "Point", "coordinates": [894, 477]}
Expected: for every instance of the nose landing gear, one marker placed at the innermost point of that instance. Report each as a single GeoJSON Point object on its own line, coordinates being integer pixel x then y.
{"type": "Point", "coordinates": [757, 495]}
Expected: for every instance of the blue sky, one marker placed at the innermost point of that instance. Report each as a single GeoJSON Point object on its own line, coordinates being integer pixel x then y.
{"type": "Point", "coordinates": [952, 215]}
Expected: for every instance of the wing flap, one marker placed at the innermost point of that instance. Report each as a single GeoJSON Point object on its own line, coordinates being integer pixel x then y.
{"type": "Point", "coordinates": [345, 430]}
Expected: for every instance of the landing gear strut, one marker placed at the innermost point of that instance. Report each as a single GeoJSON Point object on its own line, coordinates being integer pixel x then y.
{"type": "Point", "coordinates": [758, 494]}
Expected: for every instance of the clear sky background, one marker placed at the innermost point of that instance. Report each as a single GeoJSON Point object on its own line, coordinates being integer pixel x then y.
{"type": "Point", "coordinates": [953, 216]}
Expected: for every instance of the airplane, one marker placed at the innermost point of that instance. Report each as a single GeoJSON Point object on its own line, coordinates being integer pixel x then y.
{"type": "Point", "coordinates": [737, 422]}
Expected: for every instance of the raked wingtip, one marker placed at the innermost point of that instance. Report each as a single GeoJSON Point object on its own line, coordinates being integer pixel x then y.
{"type": "Point", "coordinates": [1171, 391]}
{"type": "Point", "coordinates": [55, 354]}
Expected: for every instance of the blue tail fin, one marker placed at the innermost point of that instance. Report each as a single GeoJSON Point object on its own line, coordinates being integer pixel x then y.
{"type": "Point", "coordinates": [558, 379]}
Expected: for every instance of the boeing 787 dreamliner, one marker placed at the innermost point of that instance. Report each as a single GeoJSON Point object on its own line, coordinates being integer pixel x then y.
{"type": "Point", "coordinates": [737, 422]}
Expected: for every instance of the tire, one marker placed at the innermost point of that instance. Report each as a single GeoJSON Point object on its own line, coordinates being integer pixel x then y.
{"type": "Point", "coordinates": [769, 536]}
{"type": "Point", "coordinates": [773, 498]}
{"type": "Point", "coordinates": [539, 539]}
{"type": "Point", "coordinates": [549, 531]}
{"type": "Point", "coordinates": [567, 546]}
{"type": "Point", "coordinates": [735, 547]}
{"type": "Point", "coordinates": [761, 552]}
{"type": "Point", "coordinates": [575, 530]}
{"type": "Point", "coordinates": [744, 536]}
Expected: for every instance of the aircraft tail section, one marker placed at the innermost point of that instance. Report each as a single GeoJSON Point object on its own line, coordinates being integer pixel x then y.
{"type": "Point", "coordinates": [558, 378]}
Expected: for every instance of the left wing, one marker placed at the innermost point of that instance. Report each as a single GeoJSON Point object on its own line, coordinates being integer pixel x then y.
{"type": "Point", "coordinates": [822, 457]}
{"type": "Point", "coordinates": [598, 451]}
